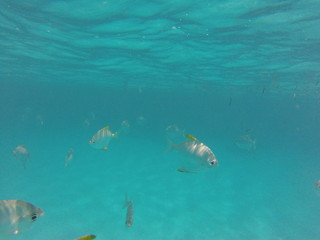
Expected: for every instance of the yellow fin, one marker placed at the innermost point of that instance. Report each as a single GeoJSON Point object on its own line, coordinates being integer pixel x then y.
{"type": "Point", "coordinates": [191, 137]}
{"type": "Point", "coordinates": [87, 237]}
{"type": "Point", "coordinates": [106, 127]}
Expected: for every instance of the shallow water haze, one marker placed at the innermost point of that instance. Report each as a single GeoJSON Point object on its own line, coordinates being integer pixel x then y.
{"type": "Point", "coordinates": [240, 76]}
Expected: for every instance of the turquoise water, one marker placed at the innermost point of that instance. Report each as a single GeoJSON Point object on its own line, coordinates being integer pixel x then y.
{"type": "Point", "coordinates": [219, 70]}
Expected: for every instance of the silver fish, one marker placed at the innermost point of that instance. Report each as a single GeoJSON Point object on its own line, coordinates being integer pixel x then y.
{"type": "Point", "coordinates": [102, 138]}
{"type": "Point", "coordinates": [17, 214]}
{"type": "Point", "coordinates": [200, 154]}
{"type": "Point", "coordinates": [68, 157]}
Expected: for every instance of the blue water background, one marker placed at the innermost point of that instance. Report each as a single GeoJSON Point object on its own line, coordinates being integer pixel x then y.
{"type": "Point", "coordinates": [219, 70]}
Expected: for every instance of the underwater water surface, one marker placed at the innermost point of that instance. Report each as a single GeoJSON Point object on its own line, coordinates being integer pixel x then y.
{"type": "Point", "coordinates": [241, 77]}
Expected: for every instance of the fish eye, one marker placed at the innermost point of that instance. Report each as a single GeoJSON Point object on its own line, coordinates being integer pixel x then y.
{"type": "Point", "coordinates": [34, 217]}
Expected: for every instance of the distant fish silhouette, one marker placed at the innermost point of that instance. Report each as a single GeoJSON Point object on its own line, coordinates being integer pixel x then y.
{"type": "Point", "coordinates": [22, 154]}
{"type": "Point", "coordinates": [129, 216]}
{"type": "Point", "coordinates": [68, 157]}
{"type": "Point", "coordinates": [246, 143]}
{"type": "Point", "coordinates": [185, 171]}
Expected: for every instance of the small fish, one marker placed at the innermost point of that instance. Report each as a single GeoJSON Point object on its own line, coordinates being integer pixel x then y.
{"type": "Point", "coordinates": [174, 133]}
{"type": "Point", "coordinates": [40, 119]}
{"type": "Point", "coordinates": [22, 154]}
{"type": "Point", "coordinates": [87, 237]}
{"type": "Point", "coordinates": [197, 153]}
{"type": "Point", "coordinates": [102, 138]}
{"type": "Point", "coordinates": [68, 157]}
{"type": "Point", "coordinates": [17, 214]}
{"type": "Point", "coordinates": [317, 184]}
{"type": "Point", "coordinates": [246, 143]}
{"type": "Point", "coordinates": [125, 125]}
{"type": "Point", "coordinates": [140, 121]}
{"type": "Point", "coordinates": [294, 96]}
{"type": "Point", "coordinates": [185, 171]}
{"type": "Point", "coordinates": [89, 119]}
{"type": "Point", "coordinates": [129, 216]}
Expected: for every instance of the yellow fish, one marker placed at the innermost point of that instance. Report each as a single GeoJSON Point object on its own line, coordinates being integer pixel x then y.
{"type": "Point", "coordinates": [87, 237]}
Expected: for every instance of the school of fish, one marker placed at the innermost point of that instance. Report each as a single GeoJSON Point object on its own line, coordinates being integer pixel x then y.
{"type": "Point", "coordinates": [16, 214]}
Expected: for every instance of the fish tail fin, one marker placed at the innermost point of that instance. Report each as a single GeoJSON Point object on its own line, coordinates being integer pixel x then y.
{"type": "Point", "coordinates": [170, 146]}
{"type": "Point", "coordinates": [116, 135]}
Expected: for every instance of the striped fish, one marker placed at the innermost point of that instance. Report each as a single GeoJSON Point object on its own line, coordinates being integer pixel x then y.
{"type": "Point", "coordinates": [102, 138]}
{"type": "Point", "coordinates": [17, 215]}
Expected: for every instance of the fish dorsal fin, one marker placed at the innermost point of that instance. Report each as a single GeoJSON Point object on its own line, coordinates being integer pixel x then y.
{"type": "Point", "coordinates": [191, 137]}
{"type": "Point", "coordinates": [106, 127]}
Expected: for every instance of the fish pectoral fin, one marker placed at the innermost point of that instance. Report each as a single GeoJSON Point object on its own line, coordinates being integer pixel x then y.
{"type": "Point", "coordinates": [105, 148]}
